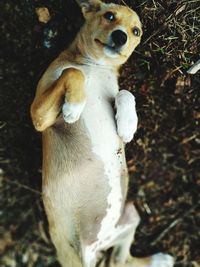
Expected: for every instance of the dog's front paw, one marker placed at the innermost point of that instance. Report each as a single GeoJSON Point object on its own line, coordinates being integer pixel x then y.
{"type": "Point", "coordinates": [162, 260]}
{"type": "Point", "coordinates": [72, 111]}
{"type": "Point", "coordinates": [126, 116]}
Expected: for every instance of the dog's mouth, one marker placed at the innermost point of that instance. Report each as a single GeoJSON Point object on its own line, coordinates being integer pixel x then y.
{"type": "Point", "coordinates": [111, 47]}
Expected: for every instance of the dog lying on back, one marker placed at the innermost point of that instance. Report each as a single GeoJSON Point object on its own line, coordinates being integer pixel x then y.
{"type": "Point", "coordinates": [85, 175]}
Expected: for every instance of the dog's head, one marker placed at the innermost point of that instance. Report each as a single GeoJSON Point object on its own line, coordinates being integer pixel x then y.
{"type": "Point", "coordinates": [111, 32]}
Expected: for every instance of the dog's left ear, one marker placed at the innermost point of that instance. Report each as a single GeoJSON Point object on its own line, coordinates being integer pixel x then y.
{"type": "Point", "coordinates": [89, 6]}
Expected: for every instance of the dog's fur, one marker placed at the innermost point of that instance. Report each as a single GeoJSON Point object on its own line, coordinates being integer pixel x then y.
{"type": "Point", "coordinates": [84, 169]}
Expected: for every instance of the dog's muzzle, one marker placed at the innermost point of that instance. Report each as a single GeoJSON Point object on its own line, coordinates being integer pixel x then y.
{"type": "Point", "coordinates": [119, 38]}
{"type": "Point", "coordinates": [115, 42]}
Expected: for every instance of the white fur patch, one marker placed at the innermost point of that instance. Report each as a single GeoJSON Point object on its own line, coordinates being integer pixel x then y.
{"type": "Point", "coordinates": [126, 115]}
{"type": "Point", "coordinates": [72, 111]}
{"type": "Point", "coordinates": [114, 236]}
{"type": "Point", "coordinates": [110, 52]}
{"type": "Point", "coordinates": [98, 116]}
{"type": "Point", "coordinates": [162, 260]}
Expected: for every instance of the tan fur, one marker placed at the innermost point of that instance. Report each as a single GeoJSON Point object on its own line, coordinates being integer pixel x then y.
{"type": "Point", "coordinates": [59, 201]}
{"type": "Point", "coordinates": [75, 186]}
{"type": "Point", "coordinates": [46, 105]}
{"type": "Point", "coordinates": [70, 84]}
{"type": "Point", "coordinates": [124, 18]}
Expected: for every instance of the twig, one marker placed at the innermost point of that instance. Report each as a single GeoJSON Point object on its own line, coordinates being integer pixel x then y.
{"type": "Point", "coordinates": [173, 224]}
{"type": "Point", "coordinates": [156, 32]}
{"type": "Point", "coordinates": [22, 186]}
{"type": "Point", "coordinates": [2, 125]}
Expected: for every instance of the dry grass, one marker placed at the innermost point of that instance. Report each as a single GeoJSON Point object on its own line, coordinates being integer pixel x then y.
{"type": "Point", "coordinates": [164, 158]}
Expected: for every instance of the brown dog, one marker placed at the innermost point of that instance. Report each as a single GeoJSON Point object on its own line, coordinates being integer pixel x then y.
{"type": "Point", "coordinates": [84, 168]}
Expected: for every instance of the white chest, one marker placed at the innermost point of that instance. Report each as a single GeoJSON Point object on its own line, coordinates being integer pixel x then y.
{"type": "Point", "coordinates": [98, 115]}
{"type": "Point", "coordinates": [99, 119]}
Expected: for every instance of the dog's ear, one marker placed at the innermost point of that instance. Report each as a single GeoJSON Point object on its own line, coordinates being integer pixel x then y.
{"type": "Point", "coordinates": [89, 6]}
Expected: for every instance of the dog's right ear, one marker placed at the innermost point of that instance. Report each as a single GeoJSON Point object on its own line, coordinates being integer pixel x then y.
{"type": "Point", "coordinates": [89, 6]}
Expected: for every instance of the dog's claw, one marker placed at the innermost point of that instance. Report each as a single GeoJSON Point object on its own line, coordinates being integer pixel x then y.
{"type": "Point", "coordinates": [126, 116]}
{"type": "Point", "coordinates": [72, 111]}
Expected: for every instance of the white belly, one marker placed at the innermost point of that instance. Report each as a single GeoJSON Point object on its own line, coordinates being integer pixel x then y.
{"type": "Point", "coordinates": [98, 117]}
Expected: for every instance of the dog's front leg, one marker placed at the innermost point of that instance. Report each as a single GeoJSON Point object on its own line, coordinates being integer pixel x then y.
{"type": "Point", "coordinates": [69, 88]}
{"type": "Point", "coordinates": [126, 116]}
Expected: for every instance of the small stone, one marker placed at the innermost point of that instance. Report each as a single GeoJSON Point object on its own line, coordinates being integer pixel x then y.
{"type": "Point", "coordinates": [43, 14]}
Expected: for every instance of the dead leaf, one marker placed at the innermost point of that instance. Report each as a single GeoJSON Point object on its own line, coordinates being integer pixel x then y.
{"type": "Point", "coordinates": [181, 83]}
{"type": "Point", "coordinates": [130, 162]}
{"type": "Point", "coordinates": [43, 14]}
{"type": "Point", "coordinates": [8, 261]}
{"type": "Point", "coordinates": [30, 257]}
{"type": "Point", "coordinates": [5, 241]}
{"type": "Point", "coordinates": [131, 166]}
{"type": "Point", "coordinates": [150, 184]}
{"type": "Point", "coordinates": [188, 139]}
{"type": "Point", "coordinates": [169, 74]}
{"type": "Point", "coordinates": [196, 115]}
{"type": "Point", "coordinates": [132, 169]}
{"type": "Point", "coordinates": [180, 9]}
{"type": "Point", "coordinates": [195, 264]}
{"type": "Point", "coordinates": [144, 88]}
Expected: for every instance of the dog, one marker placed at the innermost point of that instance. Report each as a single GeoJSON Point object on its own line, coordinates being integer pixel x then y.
{"type": "Point", "coordinates": [85, 176]}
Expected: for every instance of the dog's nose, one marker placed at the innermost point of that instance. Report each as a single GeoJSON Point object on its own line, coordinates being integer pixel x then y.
{"type": "Point", "coordinates": [119, 37]}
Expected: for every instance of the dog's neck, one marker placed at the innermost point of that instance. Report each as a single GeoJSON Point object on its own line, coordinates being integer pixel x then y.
{"type": "Point", "coordinates": [79, 50]}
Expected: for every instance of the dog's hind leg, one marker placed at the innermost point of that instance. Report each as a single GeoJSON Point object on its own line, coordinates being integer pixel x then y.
{"type": "Point", "coordinates": [131, 218]}
{"type": "Point", "coordinates": [90, 257]}
{"type": "Point", "coordinates": [121, 253]}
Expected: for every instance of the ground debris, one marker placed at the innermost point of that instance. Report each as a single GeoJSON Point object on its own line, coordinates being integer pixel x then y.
{"type": "Point", "coordinates": [163, 159]}
{"type": "Point", "coordinates": [6, 241]}
{"type": "Point", "coordinates": [43, 14]}
{"type": "Point", "coordinates": [181, 83]}
{"type": "Point", "coordinates": [194, 68]}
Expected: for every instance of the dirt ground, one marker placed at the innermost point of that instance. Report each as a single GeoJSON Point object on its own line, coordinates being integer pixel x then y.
{"type": "Point", "coordinates": [163, 159]}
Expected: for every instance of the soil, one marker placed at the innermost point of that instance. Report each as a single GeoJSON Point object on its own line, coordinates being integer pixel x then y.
{"type": "Point", "coordinates": [163, 158]}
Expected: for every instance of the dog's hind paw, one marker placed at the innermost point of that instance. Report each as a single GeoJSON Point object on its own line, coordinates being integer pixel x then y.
{"type": "Point", "coordinates": [162, 260]}
{"type": "Point", "coordinates": [72, 111]}
{"type": "Point", "coordinates": [126, 116]}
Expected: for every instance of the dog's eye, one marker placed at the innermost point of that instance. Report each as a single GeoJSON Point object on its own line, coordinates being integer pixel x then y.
{"type": "Point", "coordinates": [136, 31]}
{"type": "Point", "coordinates": [109, 16]}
